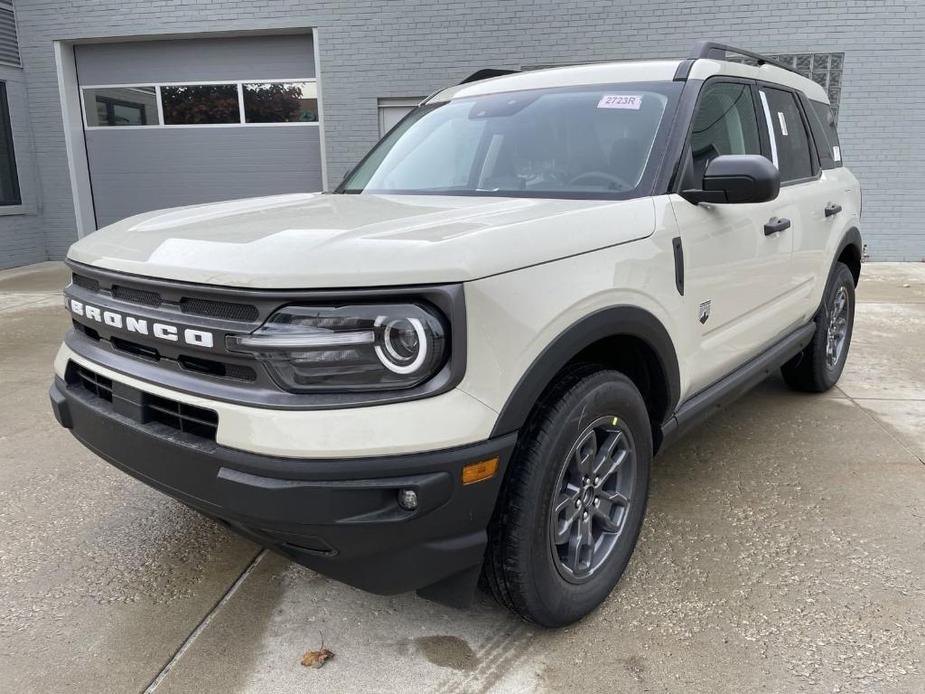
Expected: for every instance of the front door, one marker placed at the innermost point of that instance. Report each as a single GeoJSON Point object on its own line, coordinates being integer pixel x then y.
{"type": "Point", "coordinates": [736, 274]}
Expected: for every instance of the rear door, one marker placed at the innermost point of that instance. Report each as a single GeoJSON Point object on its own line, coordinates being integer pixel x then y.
{"type": "Point", "coordinates": [804, 194]}
{"type": "Point", "coordinates": [736, 275]}
{"type": "Point", "coordinates": [835, 205]}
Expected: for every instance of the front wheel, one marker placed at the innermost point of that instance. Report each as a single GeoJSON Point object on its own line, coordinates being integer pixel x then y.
{"type": "Point", "coordinates": [818, 367]}
{"type": "Point", "coordinates": [572, 505]}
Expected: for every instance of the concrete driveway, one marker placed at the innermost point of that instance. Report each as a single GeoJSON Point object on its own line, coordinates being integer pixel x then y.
{"type": "Point", "coordinates": [784, 550]}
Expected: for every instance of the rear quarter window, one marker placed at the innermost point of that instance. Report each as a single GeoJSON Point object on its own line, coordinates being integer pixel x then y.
{"type": "Point", "coordinates": [822, 122]}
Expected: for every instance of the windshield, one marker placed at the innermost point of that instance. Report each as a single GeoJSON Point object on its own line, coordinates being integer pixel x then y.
{"type": "Point", "coordinates": [594, 141]}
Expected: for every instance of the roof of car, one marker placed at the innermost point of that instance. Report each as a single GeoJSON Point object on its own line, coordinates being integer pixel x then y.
{"type": "Point", "coordinates": [628, 71]}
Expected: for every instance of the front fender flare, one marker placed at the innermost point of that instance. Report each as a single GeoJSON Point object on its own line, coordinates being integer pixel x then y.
{"type": "Point", "coordinates": [615, 321]}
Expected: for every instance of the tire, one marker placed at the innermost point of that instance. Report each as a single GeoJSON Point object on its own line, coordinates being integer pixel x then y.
{"type": "Point", "coordinates": [525, 569]}
{"type": "Point", "coordinates": [816, 368]}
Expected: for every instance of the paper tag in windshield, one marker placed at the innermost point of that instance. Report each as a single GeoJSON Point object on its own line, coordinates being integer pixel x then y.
{"type": "Point", "coordinates": [630, 102]}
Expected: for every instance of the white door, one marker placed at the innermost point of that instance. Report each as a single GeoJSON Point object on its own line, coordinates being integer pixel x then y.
{"type": "Point", "coordinates": [735, 274]}
{"type": "Point", "coordinates": [825, 199]}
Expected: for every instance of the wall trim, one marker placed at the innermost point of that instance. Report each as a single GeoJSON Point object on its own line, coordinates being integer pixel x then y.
{"type": "Point", "coordinates": [72, 119]}
{"type": "Point", "coordinates": [320, 98]}
{"type": "Point", "coordinates": [255, 28]}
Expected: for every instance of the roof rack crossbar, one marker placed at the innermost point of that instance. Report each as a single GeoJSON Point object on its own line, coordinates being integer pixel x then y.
{"type": "Point", "coordinates": [719, 51]}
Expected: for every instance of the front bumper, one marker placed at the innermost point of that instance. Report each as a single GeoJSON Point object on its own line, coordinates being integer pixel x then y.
{"type": "Point", "coordinates": [339, 517]}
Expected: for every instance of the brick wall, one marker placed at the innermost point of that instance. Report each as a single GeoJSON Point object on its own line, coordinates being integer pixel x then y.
{"type": "Point", "coordinates": [407, 48]}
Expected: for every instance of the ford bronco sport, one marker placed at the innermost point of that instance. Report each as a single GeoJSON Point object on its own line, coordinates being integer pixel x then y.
{"type": "Point", "coordinates": [461, 362]}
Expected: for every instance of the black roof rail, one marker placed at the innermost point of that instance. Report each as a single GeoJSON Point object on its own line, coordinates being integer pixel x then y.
{"type": "Point", "coordinates": [486, 73]}
{"type": "Point", "coordinates": [719, 51]}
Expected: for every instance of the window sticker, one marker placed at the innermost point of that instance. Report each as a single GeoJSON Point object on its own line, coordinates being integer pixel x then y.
{"type": "Point", "coordinates": [783, 123]}
{"type": "Point", "coordinates": [836, 153]}
{"type": "Point", "coordinates": [627, 101]}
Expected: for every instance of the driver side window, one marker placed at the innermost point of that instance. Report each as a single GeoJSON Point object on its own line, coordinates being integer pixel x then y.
{"type": "Point", "coordinates": [724, 123]}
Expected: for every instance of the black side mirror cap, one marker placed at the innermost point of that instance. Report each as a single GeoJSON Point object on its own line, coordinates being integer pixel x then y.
{"type": "Point", "coordinates": [737, 178]}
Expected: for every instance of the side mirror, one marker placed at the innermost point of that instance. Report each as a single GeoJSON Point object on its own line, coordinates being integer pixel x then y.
{"type": "Point", "coordinates": [737, 178]}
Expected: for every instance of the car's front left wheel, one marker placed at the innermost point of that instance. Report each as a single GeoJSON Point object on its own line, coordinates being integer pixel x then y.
{"type": "Point", "coordinates": [574, 499]}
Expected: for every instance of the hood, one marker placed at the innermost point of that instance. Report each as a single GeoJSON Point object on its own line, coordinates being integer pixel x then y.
{"type": "Point", "coordinates": [330, 240]}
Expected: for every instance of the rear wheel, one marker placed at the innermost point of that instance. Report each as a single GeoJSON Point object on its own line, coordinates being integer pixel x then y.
{"type": "Point", "coordinates": [818, 367]}
{"type": "Point", "coordinates": [572, 505]}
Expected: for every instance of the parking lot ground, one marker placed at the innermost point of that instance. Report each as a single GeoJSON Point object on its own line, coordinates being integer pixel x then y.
{"type": "Point", "coordinates": [784, 550]}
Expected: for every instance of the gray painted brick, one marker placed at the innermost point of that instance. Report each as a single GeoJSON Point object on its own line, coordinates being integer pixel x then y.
{"type": "Point", "coordinates": [412, 47]}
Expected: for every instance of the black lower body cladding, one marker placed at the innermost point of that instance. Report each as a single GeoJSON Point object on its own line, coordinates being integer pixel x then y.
{"type": "Point", "coordinates": [340, 517]}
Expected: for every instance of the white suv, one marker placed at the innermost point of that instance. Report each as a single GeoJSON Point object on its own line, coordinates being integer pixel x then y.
{"type": "Point", "coordinates": [461, 363]}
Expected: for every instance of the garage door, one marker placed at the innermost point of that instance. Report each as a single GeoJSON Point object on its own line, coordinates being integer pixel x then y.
{"type": "Point", "coordinates": [179, 122]}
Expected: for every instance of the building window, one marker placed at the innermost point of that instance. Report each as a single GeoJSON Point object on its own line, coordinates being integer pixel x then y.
{"type": "Point", "coordinates": [271, 102]}
{"type": "Point", "coordinates": [9, 179]}
{"type": "Point", "coordinates": [280, 102]}
{"type": "Point", "coordinates": [9, 43]}
{"type": "Point", "coordinates": [392, 110]}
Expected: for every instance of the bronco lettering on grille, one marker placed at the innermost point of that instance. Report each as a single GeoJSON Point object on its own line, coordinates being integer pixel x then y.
{"type": "Point", "coordinates": [141, 326]}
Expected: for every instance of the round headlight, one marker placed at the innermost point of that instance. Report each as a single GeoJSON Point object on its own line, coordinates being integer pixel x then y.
{"type": "Point", "coordinates": [404, 344]}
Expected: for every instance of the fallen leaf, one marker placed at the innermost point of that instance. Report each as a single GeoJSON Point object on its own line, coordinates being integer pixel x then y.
{"type": "Point", "coordinates": [315, 659]}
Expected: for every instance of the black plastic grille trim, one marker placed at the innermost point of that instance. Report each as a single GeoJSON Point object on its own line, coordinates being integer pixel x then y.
{"type": "Point", "coordinates": [86, 330]}
{"type": "Point", "coordinates": [220, 369]}
{"type": "Point", "coordinates": [143, 351]}
{"type": "Point", "coordinates": [137, 296]}
{"type": "Point", "coordinates": [144, 407]}
{"type": "Point", "coordinates": [189, 419]}
{"type": "Point", "coordinates": [100, 386]}
{"type": "Point", "coordinates": [85, 282]}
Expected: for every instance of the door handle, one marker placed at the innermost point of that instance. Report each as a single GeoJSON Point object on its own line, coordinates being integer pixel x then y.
{"type": "Point", "coordinates": [776, 224]}
{"type": "Point", "coordinates": [832, 209]}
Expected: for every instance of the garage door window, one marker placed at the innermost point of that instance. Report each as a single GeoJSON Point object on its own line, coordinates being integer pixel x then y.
{"type": "Point", "coordinates": [119, 106]}
{"type": "Point", "coordinates": [280, 102]}
{"type": "Point", "coordinates": [267, 103]}
{"type": "Point", "coordinates": [201, 104]}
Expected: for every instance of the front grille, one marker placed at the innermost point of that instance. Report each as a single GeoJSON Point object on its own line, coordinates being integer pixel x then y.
{"type": "Point", "coordinates": [173, 307]}
{"type": "Point", "coordinates": [192, 306]}
{"type": "Point", "coordinates": [219, 309]}
{"type": "Point", "coordinates": [144, 407]}
{"type": "Point", "coordinates": [186, 364]}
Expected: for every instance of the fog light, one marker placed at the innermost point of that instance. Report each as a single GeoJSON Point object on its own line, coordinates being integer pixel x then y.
{"type": "Point", "coordinates": [408, 499]}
